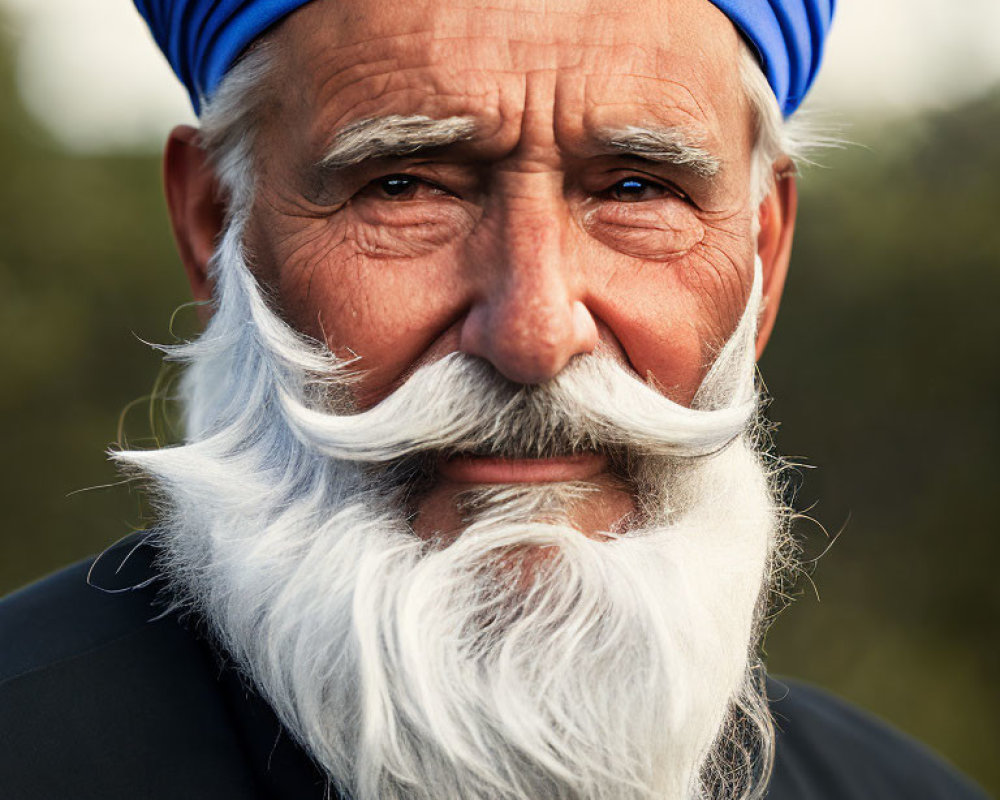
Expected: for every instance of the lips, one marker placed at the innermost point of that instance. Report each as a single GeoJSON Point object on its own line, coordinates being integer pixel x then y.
{"type": "Point", "coordinates": [490, 469]}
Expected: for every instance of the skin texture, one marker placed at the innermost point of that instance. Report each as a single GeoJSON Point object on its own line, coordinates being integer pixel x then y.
{"type": "Point", "coordinates": [525, 245]}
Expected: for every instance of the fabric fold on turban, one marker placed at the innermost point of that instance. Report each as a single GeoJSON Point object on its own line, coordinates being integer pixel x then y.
{"type": "Point", "coordinates": [789, 37]}
{"type": "Point", "coordinates": [202, 39]}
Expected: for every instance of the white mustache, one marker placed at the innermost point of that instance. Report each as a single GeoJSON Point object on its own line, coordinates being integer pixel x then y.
{"type": "Point", "coordinates": [462, 403]}
{"type": "Point", "coordinates": [448, 405]}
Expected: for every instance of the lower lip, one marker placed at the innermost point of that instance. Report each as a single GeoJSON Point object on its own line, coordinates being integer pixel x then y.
{"type": "Point", "coordinates": [481, 469]}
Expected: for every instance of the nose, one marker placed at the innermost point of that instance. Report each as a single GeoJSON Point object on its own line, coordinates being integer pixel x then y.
{"type": "Point", "coordinates": [528, 318]}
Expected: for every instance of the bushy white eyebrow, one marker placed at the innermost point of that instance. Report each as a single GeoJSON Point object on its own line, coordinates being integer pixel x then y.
{"type": "Point", "coordinates": [394, 135]}
{"type": "Point", "coordinates": [662, 145]}
{"type": "Point", "coordinates": [400, 135]}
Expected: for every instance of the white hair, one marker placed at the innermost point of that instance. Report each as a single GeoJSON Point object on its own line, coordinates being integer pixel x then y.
{"type": "Point", "coordinates": [777, 138]}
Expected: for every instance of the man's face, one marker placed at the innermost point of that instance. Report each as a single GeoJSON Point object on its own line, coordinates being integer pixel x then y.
{"type": "Point", "coordinates": [597, 198]}
{"type": "Point", "coordinates": [472, 201]}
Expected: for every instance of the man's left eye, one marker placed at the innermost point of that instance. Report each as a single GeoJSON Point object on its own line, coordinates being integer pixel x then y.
{"type": "Point", "coordinates": [635, 190]}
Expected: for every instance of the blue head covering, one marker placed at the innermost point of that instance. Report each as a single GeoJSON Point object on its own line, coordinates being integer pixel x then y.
{"type": "Point", "coordinates": [203, 38]}
{"type": "Point", "coordinates": [789, 37]}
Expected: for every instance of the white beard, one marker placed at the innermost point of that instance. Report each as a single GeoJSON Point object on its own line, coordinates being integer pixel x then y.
{"type": "Point", "coordinates": [617, 668]}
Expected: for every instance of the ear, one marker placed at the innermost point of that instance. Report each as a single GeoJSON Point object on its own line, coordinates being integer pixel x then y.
{"type": "Point", "coordinates": [196, 212]}
{"type": "Point", "coordinates": [774, 245]}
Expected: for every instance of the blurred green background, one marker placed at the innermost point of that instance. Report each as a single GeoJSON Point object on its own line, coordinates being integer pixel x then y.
{"type": "Point", "coordinates": [884, 368]}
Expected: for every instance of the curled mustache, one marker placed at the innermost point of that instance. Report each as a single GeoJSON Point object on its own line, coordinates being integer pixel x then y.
{"type": "Point", "coordinates": [462, 404]}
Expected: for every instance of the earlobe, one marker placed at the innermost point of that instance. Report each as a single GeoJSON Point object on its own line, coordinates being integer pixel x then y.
{"type": "Point", "coordinates": [196, 210]}
{"type": "Point", "coordinates": [774, 245]}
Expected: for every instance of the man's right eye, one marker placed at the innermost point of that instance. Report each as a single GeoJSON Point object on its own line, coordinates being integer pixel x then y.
{"type": "Point", "coordinates": [401, 187]}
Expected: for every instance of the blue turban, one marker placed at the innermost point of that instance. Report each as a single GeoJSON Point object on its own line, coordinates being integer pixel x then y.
{"type": "Point", "coordinates": [203, 38]}
{"type": "Point", "coordinates": [788, 36]}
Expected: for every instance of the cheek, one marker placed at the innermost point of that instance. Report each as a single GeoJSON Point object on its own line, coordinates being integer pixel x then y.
{"type": "Point", "coordinates": [384, 292]}
{"type": "Point", "coordinates": [404, 230]}
{"type": "Point", "coordinates": [670, 318]}
{"type": "Point", "coordinates": [652, 232]}
{"type": "Point", "coordinates": [667, 286]}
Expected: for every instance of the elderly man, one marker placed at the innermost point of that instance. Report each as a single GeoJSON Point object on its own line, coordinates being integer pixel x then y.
{"type": "Point", "coordinates": [471, 502]}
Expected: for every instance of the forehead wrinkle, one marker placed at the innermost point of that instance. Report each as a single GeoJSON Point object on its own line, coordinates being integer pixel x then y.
{"type": "Point", "coordinates": [413, 63]}
{"type": "Point", "coordinates": [698, 91]}
{"type": "Point", "coordinates": [346, 74]}
{"type": "Point", "coordinates": [332, 70]}
{"type": "Point", "coordinates": [663, 98]}
{"type": "Point", "coordinates": [534, 29]}
{"type": "Point", "coordinates": [479, 24]}
{"type": "Point", "coordinates": [511, 53]}
{"type": "Point", "coordinates": [582, 27]}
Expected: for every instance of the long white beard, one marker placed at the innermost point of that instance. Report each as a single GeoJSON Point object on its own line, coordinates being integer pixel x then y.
{"type": "Point", "coordinates": [617, 668]}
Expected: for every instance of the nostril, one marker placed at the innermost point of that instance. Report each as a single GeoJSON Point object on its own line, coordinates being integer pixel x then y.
{"type": "Point", "coordinates": [472, 336]}
{"type": "Point", "coordinates": [585, 332]}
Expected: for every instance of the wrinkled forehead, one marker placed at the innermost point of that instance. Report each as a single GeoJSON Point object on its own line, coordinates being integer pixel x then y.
{"type": "Point", "coordinates": [587, 65]}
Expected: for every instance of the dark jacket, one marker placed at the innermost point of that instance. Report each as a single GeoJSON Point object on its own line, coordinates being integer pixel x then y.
{"type": "Point", "coordinates": [105, 697]}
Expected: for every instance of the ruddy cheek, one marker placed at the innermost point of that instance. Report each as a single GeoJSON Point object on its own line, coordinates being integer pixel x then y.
{"type": "Point", "coordinates": [661, 233]}
{"type": "Point", "coordinates": [405, 230]}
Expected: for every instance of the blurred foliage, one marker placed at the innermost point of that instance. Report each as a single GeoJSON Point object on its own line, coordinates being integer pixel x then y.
{"type": "Point", "coordinates": [87, 268]}
{"type": "Point", "coordinates": [884, 374]}
{"type": "Point", "coordinates": [884, 370]}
